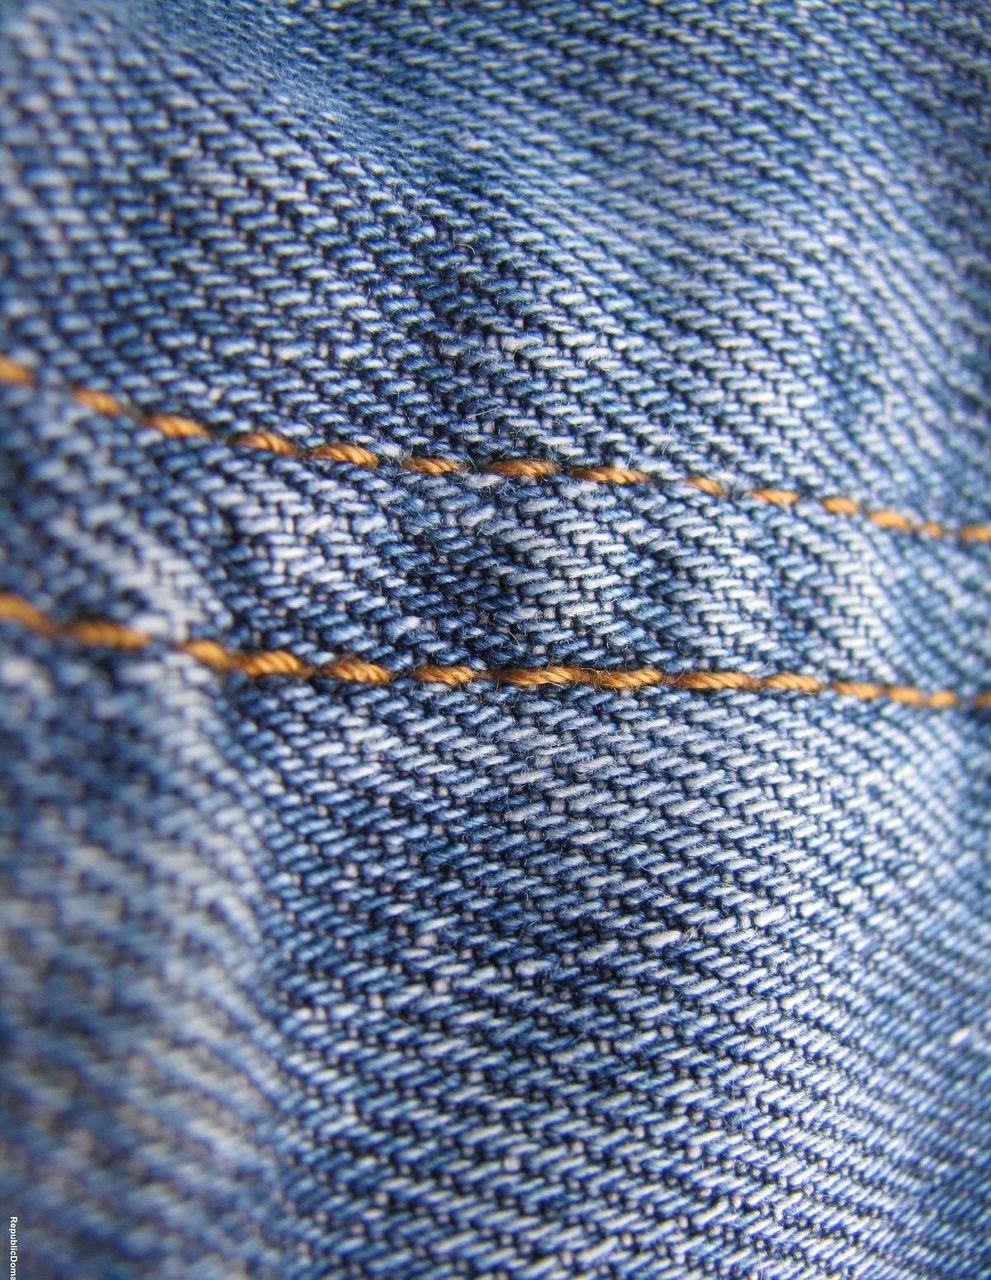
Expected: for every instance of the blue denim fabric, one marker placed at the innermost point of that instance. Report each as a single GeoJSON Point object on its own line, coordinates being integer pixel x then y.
{"type": "Point", "coordinates": [311, 977]}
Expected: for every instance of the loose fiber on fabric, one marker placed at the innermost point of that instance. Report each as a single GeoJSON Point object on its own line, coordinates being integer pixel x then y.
{"type": "Point", "coordinates": [325, 331]}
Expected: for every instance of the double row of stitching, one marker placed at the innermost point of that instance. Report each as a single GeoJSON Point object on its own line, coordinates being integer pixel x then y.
{"type": "Point", "coordinates": [176, 427]}
{"type": "Point", "coordinates": [102, 633]}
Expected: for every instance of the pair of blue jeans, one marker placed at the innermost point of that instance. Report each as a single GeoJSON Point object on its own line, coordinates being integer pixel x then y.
{"type": "Point", "coordinates": [495, 639]}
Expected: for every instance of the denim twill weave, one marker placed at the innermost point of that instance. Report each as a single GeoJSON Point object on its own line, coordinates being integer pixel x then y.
{"type": "Point", "coordinates": [311, 976]}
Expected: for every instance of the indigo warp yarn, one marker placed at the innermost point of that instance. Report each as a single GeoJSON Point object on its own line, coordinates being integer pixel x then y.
{"type": "Point", "coordinates": [495, 639]}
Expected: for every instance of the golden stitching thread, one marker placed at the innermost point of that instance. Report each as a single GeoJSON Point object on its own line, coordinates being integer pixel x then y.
{"type": "Point", "coordinates": [15, 374]}
{"type": "Point", "coordinates": [102, 633]}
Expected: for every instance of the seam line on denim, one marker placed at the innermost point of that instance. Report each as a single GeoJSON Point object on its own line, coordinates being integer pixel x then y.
{"type": "Point", "coordinates": [174, 426]}
{"type": "Point", "coordinates": [104, 633]}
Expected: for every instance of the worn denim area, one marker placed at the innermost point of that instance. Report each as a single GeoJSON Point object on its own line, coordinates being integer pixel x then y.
{"type": "Point", "coordinates": [311, 976]}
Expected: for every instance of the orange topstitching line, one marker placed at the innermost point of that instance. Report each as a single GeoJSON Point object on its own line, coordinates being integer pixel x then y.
{"type": "Point", "coordinates": [175, 426]}
{"type": "Point", "coordinates": [115, 635]}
